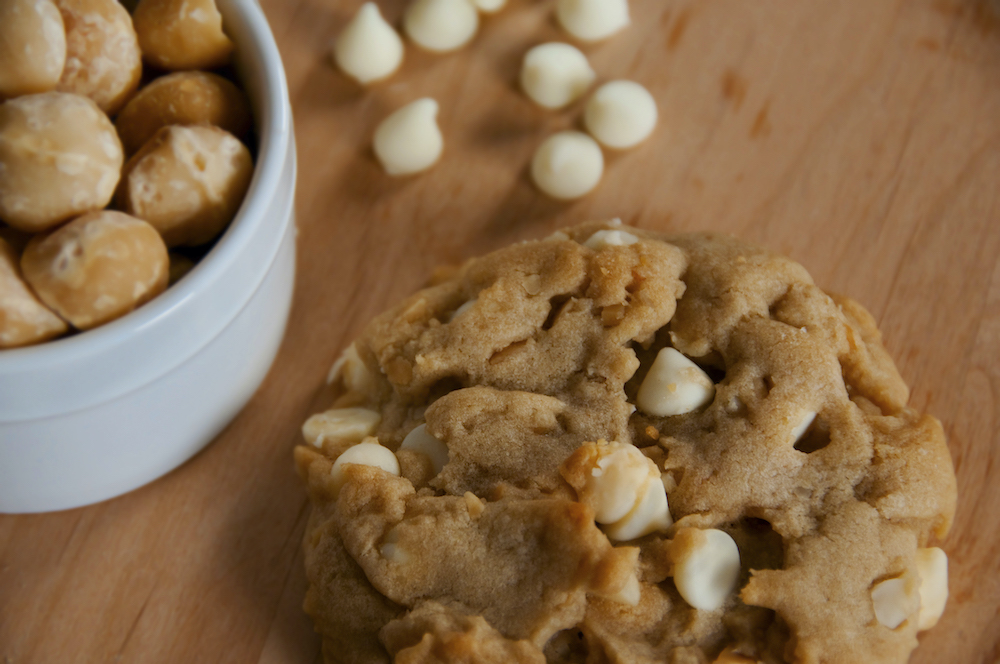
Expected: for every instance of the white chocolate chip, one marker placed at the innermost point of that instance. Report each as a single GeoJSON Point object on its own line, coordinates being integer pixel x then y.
{"type": "Point", "coordinates": [649, 515]}
{"type": "Point", "coordinates": [624, 488]}
{"type": "Point", "coordinates": [409, 141]}
{"type": "Point", "coordinates": [895, 600]}
{"type": "Point", "coordinates": [629, 594]}
{"type": "Point", "coordinates": [352, 370]}
{"type": "Point", "coordinates": [340, 424]}
{"type": "Point", "coordinates": [368, 48]}
{"type": "Point", "coordinates": [391, 550]}
{"type": "Point", "coordinates": [706, 566]}
{"type": "Point", "coordinates": [592, 20]}
{"type": "Point", "coordinates": [462, 309]}
{"type": "Point", "coordinates": [673, 386]}
{"type": "Point", "coordinates": [420, 441]}
{"type": "Point", "coordinates": [567, 165]}
{"type": "Point", "coordinates": [614, 238]}
{"type": "Point", "coordinates": [489, 6]}
{"type": "Point", "coordinates": [441, 25]}
{"type": "Point", "coordinates": [363, 454]}
{"type": "Point", "coordinates": [932, 566]}
{"type": "Point", "coordinates": [555, 74]}
{"type": "Point", "coordinates": [620, 114]}
{"type": "Point", "coordinates": [803, 425]}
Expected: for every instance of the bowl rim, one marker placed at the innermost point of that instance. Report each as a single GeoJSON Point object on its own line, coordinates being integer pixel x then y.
{"type": "Point", "coordinates": [274, 134]}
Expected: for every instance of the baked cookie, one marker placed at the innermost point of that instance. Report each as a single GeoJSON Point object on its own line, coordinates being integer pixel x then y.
{"type": "Point", "coordinates": [617, 446]}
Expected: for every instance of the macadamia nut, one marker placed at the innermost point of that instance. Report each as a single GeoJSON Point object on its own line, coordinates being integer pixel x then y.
{"type": "Point", "coordinates": [804, 421]}
{"type": "Point", "coordinates": [620, 114]}
{"type": "Point", "coordinates": [97, 268]}
{"type": "Point", "coordinates": [181, 34]}
{"type": "Point", "coordinates": [102, 52]}
{"type": "Point", "coordinates": [441, 25]}
{"type": "Point", "coordinates": [622, 486]}
{"type": "Point", "coordinates": [59, 157]}
{"type": "Point", "coordinates": [674, 385]}
{"type": "Point", "coordinates": [368, 49]}
{"type": "Point", "coordinates": [32, 47]}
{"type": "Point", "coordinates": [23, 319]}
{"type": "Point", "coordinates": [592, 20]}
{"type": "Point", "coordinates": [367, 453]}
{"type": "Point", "coordinates": [609, 238]}
{"type": "Point", "coordinates": [932, 566]}
{"type": "Point", "coordinates": [183, 98]}
{"type": "Point", "coordinates": [555, 74]}
{"type": "Point", "coordinates": [895, 600]}
{"type": "Point", "coordinates": [419, 440]}
{"type": "Point", "coordinates": [340, 424]}
{"type": "Point", "coordinates": [188, 182]}
{"type": "Point", "coordinates": [409, 141]}
{"type": "Point", "coordinates": [706, 566]}
{"type": "Point", "coordinates": [567, 165]}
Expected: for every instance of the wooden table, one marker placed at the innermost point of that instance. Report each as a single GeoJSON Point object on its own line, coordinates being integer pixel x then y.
{"type": "Point", "coordinates": [860, 137]}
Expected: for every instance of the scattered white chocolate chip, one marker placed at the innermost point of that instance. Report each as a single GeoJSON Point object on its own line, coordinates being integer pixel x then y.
{"type": "Point", "coordinates": [592, 20]}
{"type": "Point", "coordinates": [932, 566]}
{"type": "Point", "coordinates": [555, 74]}
{"type": "Point", "coordinates": [368, 49]}
{"type": "Point", "coordinates": [489, 6]}
{"type": "Point", "coordinates": [623, 487]}
{"type": "Point", "coordinates": [803, 426]}
{"type": "Point", "coordinates": [620, 114]}
{"type": "Point", "coordinates": [649, 515]}
{"type": "Point", "coordinates": [441, 25]}
{"type": "Point", "coordinates": [614, 238]}
{"type": "Point", "coordinates": [391, 550]}
{"type": "Point", "coordinates": [340, 424]}
{"type": "Point", "coordinates": [352, 371]}
{"type": "Point", "coordinates": [462, 309]}
{"type": "Point", "coordinates": [895, 600]}
{"type": "Point", "coordinates": [409, 141]}
{"type": "Point", "coordinates": [364, 454]}
{"type": "Point", "coordinates": [673, 386]}
{"type": "Point", "coordinates": [706, 566]}
{"type": "Point", "coordinates": [567, 165]}
{"type": "Point", "coordinates": [420, 441]}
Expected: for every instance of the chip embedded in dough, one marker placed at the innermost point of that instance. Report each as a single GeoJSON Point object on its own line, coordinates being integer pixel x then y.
{"type": "Point", "coordinates": [796, 487]}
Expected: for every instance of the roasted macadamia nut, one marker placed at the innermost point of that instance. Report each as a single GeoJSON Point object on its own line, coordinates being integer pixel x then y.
{"type": "Point", "coordinates": [181, 34]}
{"type": "Point", "coordinates": [32, 47]}
{"type": "Point", "coordinates": [441, 25]}
{"type": "Point", "coordinates": [620, 114]}
{"type": "Point", "coordinates": [567, 165]}
{"type": "Point", "coordinates": [23, 319]}
{"type": "Point", "coordinates": [368, 49]}
{"type": "Point", "coordinates": [184, 98]}
{"type": "Point", "coordinates": [409, 141]}
{"type": "Point", "coordinates": [592, 20]}
{"type": "Point", "coordinates": [102, 52]}
{"type": "Point", "coordinates": [97, 268]}
{"type": "Point", "coordinates": [59, 157]}
{"type": "Point", "coordinates": [555, 74]}
{"type": "Point", "coordinates": [188, 182]}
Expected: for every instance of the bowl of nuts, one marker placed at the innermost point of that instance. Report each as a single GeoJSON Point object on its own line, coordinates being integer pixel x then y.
{"type": "Point", "coordinates": [147, 237]}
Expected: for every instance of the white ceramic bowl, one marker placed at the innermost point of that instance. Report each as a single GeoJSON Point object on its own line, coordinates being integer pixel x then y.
{"type": "Point", "coordinates": [98, 414]}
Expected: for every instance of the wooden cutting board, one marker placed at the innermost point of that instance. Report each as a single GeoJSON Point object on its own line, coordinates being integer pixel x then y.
{"type": "Point", "coordinates": [861, 137]}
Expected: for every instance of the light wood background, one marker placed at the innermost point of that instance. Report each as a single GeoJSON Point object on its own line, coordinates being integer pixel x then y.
{"type": "Point", "coordinates": [862, 137]}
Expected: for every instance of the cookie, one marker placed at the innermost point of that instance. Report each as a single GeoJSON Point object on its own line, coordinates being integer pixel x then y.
{"type": "Point", "coordinates": [617, 446]}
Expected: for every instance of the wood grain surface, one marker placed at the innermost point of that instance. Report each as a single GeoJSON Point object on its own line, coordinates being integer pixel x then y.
{"type": "Point", "coordinates": [861, 137]}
